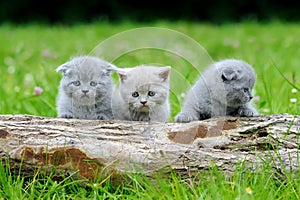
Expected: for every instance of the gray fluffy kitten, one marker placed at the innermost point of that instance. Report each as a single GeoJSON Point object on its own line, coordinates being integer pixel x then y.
{"type": "Point", "coordinates": [143, 94]}
{"type": "Point", "coordinates": [85, 89]}
{"type": "Point", "coordinates": [225, 88]}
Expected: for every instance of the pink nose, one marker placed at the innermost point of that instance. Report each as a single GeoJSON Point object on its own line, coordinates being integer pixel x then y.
{"type": "Point", "coordinates": [143, 102]}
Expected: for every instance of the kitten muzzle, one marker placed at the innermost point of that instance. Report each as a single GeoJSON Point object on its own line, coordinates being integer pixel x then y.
{"type": "Point", "coordinates": [144, 108]}
{"type": "Point", "coordinates": [85, 91]}
{"type": "Point", "coordinates": [143, 102]}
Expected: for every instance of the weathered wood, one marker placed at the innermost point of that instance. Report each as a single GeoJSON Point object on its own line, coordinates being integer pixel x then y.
{"type": "Point", "coordinates": [123, 146]}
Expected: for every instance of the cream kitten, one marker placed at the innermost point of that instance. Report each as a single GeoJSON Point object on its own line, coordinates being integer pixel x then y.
{"type": "Point", "coordinates": [225, 88]}
{"type": "Point", "coordinates": [143, 94]}
{"type": "Point", "coordinates": [85, 89]}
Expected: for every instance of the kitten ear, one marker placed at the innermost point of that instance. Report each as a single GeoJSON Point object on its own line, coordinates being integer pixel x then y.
{"type": "Point", "coordinates": [121, 72]}
{"type": "Point", "coordinates": [164, 74]}
{"type": "Point", "coordinates": [109, 69]}
{"type": "Point", "coordinates": [112, 67]}
{"type": "Point", "coordinates": [64, 68]}
{"type": "Point", "coordinates": [229, 75]}
{"type": "Point", "coordinates": [122, 76]}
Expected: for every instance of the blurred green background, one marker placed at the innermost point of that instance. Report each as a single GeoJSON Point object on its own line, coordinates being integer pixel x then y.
{"type": "Point", "coordinates": [37, 37]}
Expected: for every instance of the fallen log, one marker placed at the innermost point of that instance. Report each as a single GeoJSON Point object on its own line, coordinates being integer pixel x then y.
{"type": "Point", "coordinates": [90, 146]}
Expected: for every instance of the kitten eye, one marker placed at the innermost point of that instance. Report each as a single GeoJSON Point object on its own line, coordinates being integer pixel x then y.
{"type": "Point", "coordinates": [135, 94]}
{"type": "Point", "coordinates": [76, 83]}
{"type": "Point", "coordinates": [245, 90]}
{"type": "Point", "coordinates": [93, 83]}
{"type": "Point", "coordinates": [151, 93]}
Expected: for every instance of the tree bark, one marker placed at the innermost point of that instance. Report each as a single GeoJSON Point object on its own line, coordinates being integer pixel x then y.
{"type": "Point", "coordinates": [90, 147]}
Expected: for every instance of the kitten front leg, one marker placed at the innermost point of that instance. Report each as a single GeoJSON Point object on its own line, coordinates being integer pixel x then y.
{"type": "Point", "coordinates": [66, 115]}
{"type": "Point", "coordinates": [247, 111]}
{"type": "Point", "coordinates": [185, 117]}
{"type": "Point", "coordinates": [102, 116]}
{"type": "Point", "coordinates": [64, 108]}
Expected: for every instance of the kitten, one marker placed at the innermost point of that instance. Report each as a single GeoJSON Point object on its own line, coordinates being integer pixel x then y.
{"type": "Point", "coordinates": [143, 94]}
{"type": "Point", "coordinates": [85, 89]}
{"type": "Point", "coordinates": [225, 88]}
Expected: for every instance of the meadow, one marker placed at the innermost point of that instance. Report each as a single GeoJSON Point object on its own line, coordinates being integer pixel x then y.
{"type": "Point", "coordinates": [29, 55]}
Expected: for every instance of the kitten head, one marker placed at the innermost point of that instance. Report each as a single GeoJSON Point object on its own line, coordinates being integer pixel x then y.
{"type": "Point", "coordinates": [144, 87]}
{"type": "Point", "coordinates": [238, 78]}
{"type": "Point", "coordinates": [85, 79]}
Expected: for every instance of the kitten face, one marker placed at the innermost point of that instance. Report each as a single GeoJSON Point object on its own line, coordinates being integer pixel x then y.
{"type": "Point", "coordinates": [237, 96]}
{"type": "Point", "coordinates": [85, 80]}
{"type": "Point", "coordinates": [145, 97]}
{"type": "Point", "coordinates": [144, 88]}
{"type": "Point", "coordinates": [238, 87]}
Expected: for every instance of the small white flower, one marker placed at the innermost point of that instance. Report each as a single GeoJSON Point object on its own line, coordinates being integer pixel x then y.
{"type": "Point", "coordinates": [28, 78]}
{"type": "Point", "coordinates": [17, 89]}
{"type": "Point", "coordinates": [182, 95]}
{"type": "Point", "coordinates": [95, 184]}
{"type": "Point", "coordinates": [266, 110]}
{"type": "Point", "coordinates": [11, 70]}
{"type": "Point", "coordinates": [293, 100]}
{"type": "Point", "coordinates": [294, 90]}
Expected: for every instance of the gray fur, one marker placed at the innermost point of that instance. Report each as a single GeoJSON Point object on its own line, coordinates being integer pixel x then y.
{"type": "Point", "coordinates": [93, 76]}
{"type": "Point", "coordinates": [225, 88]}
{"type": "Point", "coordinates": [142, 79]}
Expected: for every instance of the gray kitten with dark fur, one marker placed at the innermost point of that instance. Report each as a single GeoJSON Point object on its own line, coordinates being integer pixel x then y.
{"type": "Point", "coordinates": [85, 89]}
{"type": "Point", "coordinates": [225, 88]}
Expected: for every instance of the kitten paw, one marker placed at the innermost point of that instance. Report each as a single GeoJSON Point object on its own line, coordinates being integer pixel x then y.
{"type": "Point", "coordinates": [247, 113]}
{"type": "Point", "coordinates": [184, 118]}
{"type": "Point", "coordinates": [67, 116]}
{"type": "Point", "coordinates": [103, 117]}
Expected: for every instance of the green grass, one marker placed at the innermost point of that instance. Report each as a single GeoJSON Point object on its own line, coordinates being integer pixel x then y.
{"type": "Point", "coordinates": [29, 55]}
{"type": "Point", "coordinates": [265, 183]}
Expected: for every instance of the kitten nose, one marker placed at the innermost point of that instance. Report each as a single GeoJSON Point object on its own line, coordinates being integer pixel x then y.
{"type": "Point", "coordinates": [143, 102]}
{"type": "Point", "coordinates": [251, 97]}
{"type": "Point", "coordinates": [85, 91]}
